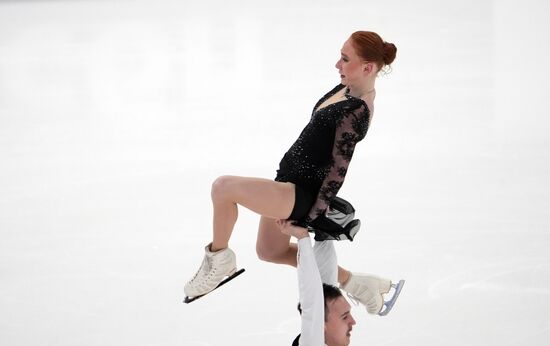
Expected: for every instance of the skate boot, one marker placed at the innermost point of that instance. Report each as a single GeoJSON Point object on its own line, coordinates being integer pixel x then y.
{"type": "Point", "coordinates": [215, 267]}
{"type": "Point", "coordinates": [368, 290]}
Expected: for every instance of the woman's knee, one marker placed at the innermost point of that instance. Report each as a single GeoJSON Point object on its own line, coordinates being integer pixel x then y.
{"type": "Point", "coordinates": [221, 187]}
{"type": "Point", "coordinates": [269, 254]}
{"type": "Point", "coordinates": [264, 253]}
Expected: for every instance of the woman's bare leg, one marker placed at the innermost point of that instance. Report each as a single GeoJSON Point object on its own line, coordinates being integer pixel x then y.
{"type": "Point", "coordinates": [343, 275]}
{"type": "Point", "coordinates": [263, 196]}
{"type": "Point", "coordinates": [274, 246]}
{"type": "Point", "coordinates": [273, 200]}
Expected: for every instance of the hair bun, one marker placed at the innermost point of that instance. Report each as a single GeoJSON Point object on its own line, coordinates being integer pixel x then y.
{"type": "Point", "coordinates": [390, 50]}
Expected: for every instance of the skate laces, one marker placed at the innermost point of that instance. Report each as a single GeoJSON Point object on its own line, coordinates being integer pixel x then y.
{"type": "Point", "coordinates": [206, 265]}
{"type": "Point", "coordinates": [207, 262]}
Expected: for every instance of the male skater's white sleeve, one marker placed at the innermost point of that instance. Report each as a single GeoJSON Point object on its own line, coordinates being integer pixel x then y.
{"type": "Point", "coordinates": [325, 256]}
{"type": "Point", "coordinates": [311, 296]}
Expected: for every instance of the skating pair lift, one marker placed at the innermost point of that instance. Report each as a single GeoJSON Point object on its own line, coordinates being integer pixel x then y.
{"type": "Point", "coordinates": [339, 224]}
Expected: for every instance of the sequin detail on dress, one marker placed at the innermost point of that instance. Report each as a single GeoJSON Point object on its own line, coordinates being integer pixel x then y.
{"type": "Point", "coordinates": [319, 159]}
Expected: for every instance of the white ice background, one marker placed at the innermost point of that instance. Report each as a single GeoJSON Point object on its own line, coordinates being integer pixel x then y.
{"type": "Point", "coordinates": [116, 116]}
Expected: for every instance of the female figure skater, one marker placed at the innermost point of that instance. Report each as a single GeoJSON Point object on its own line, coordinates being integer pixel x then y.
{"type": "Point", "coordinates": [309, 176]}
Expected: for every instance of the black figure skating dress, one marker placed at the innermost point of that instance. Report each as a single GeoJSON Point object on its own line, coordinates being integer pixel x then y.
{"type": "Point", "coordinates": [318, 161]}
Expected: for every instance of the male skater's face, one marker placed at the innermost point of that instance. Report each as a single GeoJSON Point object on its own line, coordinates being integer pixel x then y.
{"type": "Point", "coordinates": [339, 323]}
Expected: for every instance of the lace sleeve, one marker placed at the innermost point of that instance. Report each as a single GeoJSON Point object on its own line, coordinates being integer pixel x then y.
{"type": "Point", "coordinates": [350, 129]}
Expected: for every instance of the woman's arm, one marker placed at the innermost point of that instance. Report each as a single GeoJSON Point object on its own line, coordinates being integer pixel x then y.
{"type": "Point", "coordinates": [349, 131]}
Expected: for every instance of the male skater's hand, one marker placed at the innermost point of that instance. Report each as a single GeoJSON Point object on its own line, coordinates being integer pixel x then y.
{"type": "Point", "coordinates": [287, 227]}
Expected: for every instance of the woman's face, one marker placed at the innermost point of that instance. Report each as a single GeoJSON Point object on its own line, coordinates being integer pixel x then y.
{"type": "Point", "coordinates": [351, 67]}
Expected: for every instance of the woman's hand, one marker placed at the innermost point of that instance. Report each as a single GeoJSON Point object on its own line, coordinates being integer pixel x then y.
{"type": "Point", "coordinates": [288, 228]}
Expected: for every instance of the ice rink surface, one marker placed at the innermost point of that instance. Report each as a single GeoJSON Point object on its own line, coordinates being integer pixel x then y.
{"type": "Point", "coordinates": [116, 116]}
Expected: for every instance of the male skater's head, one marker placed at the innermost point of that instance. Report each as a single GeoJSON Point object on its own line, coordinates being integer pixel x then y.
{"type": "Point", "coordinates": [338, 319]}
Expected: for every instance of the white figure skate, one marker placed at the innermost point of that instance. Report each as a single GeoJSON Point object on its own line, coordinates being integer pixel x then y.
{"type": "Point", "coordinates": [369, 290]}
{"type": "Point", "coordinates": [216, 269]}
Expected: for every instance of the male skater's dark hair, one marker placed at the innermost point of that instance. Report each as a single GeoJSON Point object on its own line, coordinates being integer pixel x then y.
{"type": "Point", "coordinates": [330, 293]}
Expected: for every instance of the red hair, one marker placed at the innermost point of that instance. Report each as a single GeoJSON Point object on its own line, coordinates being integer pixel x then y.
{"type": "Point", "coordinates": [369, 46]}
